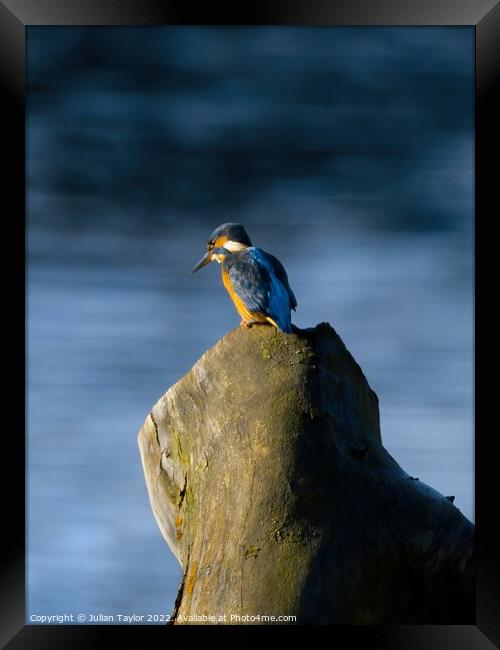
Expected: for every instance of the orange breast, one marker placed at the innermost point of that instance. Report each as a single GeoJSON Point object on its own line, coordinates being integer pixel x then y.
{"type": "Point", "coordinates": [241, 308]}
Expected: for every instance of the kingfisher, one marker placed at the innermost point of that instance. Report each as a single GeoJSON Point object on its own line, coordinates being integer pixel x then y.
{"type": "Point", "coordinates": [255, 280]}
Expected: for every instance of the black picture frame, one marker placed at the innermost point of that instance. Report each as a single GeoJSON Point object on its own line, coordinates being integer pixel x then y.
{"type": "Point", "coordinates": [484, 16]}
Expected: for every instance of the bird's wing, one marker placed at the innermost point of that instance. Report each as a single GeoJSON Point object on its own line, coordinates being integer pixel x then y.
{"type": "Point", "coordinates": [282, 276]}
{"type": "Point", "coordinates": [255, 281]}
{"type": "Point", "coordinates": [251, 281]}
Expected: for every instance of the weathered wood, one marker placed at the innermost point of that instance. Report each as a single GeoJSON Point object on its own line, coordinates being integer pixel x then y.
{"type": "Point", "coordinates": [267, 476]}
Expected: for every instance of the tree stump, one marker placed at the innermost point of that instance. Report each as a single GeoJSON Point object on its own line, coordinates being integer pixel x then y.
{"type": "Point", "coordinates": [268, 479]}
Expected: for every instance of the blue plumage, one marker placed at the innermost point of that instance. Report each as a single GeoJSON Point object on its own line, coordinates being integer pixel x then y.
{"type": "Point", "coordinates": [260, 280]}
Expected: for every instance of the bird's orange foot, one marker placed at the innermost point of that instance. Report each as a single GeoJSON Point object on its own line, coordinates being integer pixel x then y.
{"type": "Point", "coordinates": [249, 323]}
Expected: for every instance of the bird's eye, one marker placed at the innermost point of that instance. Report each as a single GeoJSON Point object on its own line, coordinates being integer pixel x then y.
{"type": "Point", "coordinates": [210, 245]}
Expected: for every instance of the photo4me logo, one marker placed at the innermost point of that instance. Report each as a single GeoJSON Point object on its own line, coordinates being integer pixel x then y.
{"type": "Point", "coordinates": [234, 618]}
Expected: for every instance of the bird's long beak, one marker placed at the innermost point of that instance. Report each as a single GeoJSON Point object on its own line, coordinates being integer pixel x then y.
{"type": "Point", "coordinates": [203, 262]}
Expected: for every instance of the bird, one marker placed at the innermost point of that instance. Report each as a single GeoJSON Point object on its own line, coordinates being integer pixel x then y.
{"type": "Point", "coordinates": [255, 280]}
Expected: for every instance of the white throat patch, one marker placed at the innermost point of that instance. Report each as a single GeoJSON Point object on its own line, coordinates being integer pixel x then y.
{"type": "Point", "coordinates": [234, 246]}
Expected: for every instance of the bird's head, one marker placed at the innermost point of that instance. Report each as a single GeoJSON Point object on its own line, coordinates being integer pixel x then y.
{"type": "Point", "coordinates": [226, 239]}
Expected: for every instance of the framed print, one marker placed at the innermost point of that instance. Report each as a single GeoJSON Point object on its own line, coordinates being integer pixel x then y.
{"type": "Point", "coordinates": [330, 161]}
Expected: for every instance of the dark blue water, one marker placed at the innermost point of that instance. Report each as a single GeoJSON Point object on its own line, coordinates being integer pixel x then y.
{"type": "Point", "coordinates": [348, 153]}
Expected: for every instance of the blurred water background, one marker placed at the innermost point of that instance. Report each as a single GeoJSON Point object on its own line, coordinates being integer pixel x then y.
{"type": "Point", "coordinates": [346, 152]}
